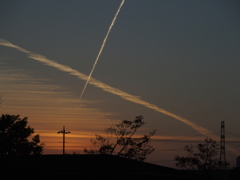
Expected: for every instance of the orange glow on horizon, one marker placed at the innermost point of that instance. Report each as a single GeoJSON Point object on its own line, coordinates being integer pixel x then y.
{"type": "Point", "coordinates": [78, 141]}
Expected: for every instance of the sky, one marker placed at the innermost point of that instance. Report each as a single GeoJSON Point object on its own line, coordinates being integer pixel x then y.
{"type": "Point", "coordinates": [176, 63]}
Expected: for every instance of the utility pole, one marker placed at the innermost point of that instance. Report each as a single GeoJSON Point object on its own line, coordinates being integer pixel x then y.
{"type": "Point", "coordinates": [222, 146]}
{"type": "Point", "coordinates": [64, 132]}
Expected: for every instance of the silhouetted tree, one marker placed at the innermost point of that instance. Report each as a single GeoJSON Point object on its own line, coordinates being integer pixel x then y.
{"type": "Point", "coordinates": [204, 158]}
{"type": "Point", "coordinates": [120, 141]}
{"type": "Point", "coordinates": [14, 137]}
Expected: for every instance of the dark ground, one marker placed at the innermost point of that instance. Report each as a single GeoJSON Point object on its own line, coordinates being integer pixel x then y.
{"type": "Point", "coordinates": [90, 167]}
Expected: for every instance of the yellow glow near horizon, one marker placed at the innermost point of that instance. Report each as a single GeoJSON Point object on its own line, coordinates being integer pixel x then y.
{"type": "Point", "coordinates": [106, 87]}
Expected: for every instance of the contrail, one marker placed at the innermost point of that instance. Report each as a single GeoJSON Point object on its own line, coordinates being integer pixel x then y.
{"type": "Point", "coordinates": [112, 90]}
{"type": "Point", "coordinates": [8, 44]}
{"type": "Point", "coordinates": [101, 49]}
{"type": "Point", "coordinates": [107, 88]}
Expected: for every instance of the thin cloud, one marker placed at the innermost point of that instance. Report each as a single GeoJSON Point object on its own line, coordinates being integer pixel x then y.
{"type": "Point", "coordinates": [107, 88]}
{"type": "Point", "coordinates": [48, 106]}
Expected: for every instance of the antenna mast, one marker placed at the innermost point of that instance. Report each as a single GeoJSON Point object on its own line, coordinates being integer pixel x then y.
{"type": "Point", "coordinates": [222, 146]}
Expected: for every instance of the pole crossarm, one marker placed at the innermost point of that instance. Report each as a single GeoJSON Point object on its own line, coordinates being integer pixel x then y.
{"type": "Point", "coordinates": [63, 131]}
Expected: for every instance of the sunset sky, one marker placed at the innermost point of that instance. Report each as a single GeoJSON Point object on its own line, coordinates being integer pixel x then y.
{"type": "Point", "coordinates": [174, 62]}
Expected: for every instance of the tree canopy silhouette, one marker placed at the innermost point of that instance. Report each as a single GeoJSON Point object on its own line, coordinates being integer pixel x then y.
{"type": "Point", "coordinates": [120, 141]}
{"type": "Point", "coordinates": [203, 158]}
{"type": "Point", "coordinates": [14, 137]}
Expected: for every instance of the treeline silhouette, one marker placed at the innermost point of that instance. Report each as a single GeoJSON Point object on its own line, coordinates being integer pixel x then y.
{"type": "Point", "coordinates": [16, 162]}
{"type": "Point", "coordinates": [14, 137]}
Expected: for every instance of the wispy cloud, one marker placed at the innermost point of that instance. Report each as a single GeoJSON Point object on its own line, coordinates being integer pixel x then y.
{"type": "Point", "coordinates": [107, 88]}
{"type": "Point", "coordinates": [49, 107]}
{"type": "Point", "coordinates": [46, 103]}
{"type": "Point", "coordinates": [8, 44]}
{"type": "Point", "coordinates": [112, 90]}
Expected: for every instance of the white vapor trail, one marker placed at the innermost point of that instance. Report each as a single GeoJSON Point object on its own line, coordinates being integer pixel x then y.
{"type": "Point", "coordinates": [112, 90]}
{"type": "Point", "coordinates": [105, 87]}
{"type": "Point", "coordinates": [101, 49]}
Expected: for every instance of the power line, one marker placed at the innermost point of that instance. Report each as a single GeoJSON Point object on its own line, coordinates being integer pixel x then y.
{"type": "Point", "coordinates": [235, 134]}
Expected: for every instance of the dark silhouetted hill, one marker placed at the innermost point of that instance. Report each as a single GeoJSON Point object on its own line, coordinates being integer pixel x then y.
{"type": "Point", "coordinates": [86, 167]}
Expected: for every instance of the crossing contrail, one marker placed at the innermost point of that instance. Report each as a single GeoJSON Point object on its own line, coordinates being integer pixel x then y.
{"type": "Point", "coordinates": [112, 90]}
{"type": "Point", "coordinates": [101, 49]}
{"type": "Point", "coordinates": [105, 87]}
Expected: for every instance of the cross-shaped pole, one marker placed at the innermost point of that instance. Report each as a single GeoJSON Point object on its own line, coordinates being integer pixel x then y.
{"type": "Point", "coordinates": [64, 132]}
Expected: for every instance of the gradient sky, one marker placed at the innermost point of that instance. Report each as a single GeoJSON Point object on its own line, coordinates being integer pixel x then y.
{"type": "Point", "coordinates": [182, 56]}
